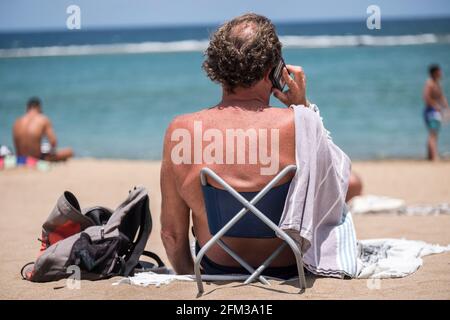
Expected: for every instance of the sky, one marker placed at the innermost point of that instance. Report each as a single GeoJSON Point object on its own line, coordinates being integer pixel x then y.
{"type": "Point", "coordinates": [38, 15]}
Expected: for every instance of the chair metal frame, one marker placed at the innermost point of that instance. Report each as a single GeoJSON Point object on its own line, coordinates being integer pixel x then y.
{"type": "Point", "coordinates": [249, 206]}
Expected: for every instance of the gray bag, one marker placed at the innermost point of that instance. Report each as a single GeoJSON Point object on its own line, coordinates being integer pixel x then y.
{"type": "Point", "coordinates": [100, 242]}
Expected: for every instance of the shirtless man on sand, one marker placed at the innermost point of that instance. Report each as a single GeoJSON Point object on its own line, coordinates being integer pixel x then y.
{"type": "Point", "coordinates": [435, 103]}
{"type": "Point", "coordinates": [240, 57]}
{"type": "Point", "coordinates": [30, 129]}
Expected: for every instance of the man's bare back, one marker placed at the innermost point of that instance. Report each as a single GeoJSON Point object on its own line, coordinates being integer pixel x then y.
{"type": "Point", "coordinates": [30, 129]}
{"type": "Point", "coordinates": [243, 177]}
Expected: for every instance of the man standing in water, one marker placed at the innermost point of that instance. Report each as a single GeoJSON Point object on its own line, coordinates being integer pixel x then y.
{"type": "Point", "coordinates": [435, 103]}
{"type": "Point", "coordinates": [30, 129]}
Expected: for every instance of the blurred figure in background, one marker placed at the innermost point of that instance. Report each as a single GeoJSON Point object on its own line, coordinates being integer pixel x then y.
{"type": "Point", "coordinates": [435, 103]}
{"type": "Point", "coordinates": [355, 187]}
{"type": "Point", "coordinates": [30, 129]}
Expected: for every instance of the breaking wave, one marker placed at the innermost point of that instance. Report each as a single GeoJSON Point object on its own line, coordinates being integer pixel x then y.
{"type": "Point", "coordinates": [321, 41]}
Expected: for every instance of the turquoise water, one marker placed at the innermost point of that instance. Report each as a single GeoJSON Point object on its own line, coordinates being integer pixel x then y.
{"type": "Point", "coordinates": [118, 106]}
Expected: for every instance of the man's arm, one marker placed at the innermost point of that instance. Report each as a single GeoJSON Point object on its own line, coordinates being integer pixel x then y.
{"type": "Point", "coordinates": [50, 133]}
{"type": "Point", "coordinates": [174, 215]}
{"type": "Point", "coordinates": [15, 138]}
{"type": "Point", "coordinates": [444, 101]}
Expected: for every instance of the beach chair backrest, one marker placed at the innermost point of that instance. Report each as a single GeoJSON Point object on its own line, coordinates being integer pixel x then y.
{"type": "Point", "coordinates": [221, 207]}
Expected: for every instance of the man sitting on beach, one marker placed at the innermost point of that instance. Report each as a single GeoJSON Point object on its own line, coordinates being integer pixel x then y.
{"type": "Point", "coordinates": [435, 103]}
{"type": "Point", "coordinates": [240, 56]}
{"type": "Point", "coordinates": [30, 129]}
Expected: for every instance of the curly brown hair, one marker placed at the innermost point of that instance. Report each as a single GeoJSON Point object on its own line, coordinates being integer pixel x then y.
{"type": "Point", "coordinates": [241, 51]}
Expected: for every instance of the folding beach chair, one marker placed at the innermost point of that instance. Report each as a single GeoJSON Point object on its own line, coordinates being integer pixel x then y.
{"type": "Point", "coordinates": [235, 214]}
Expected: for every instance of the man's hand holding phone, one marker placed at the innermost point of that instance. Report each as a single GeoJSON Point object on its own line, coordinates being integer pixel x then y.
{"type": "Point", "coordinates": [297, 87]}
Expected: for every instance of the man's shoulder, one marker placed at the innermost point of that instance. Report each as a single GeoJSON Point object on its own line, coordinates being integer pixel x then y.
{"type": "Point", "coordinates": [282, 115]}
{"type": "Point", "coordinates": [43, 117]}
{"type": "Point", "coordinates": [42, 121]}
{"type": "Point", "coordinates": [280, 110]}
{"type": "Point", "coordinates": [186, 120]}
{"type": "Point", "coordinates": [18, 121]}
{"type": "Point", "coordinates": [182, 121]}
{"type": "Point", "coordinates": [37, 118]}
{"type": "Point", "coordinates": [431, 83]}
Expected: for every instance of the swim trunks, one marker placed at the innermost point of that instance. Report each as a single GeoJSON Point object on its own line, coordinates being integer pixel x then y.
{"type": "Point", "coordinates": [210, 267]}
{"type": "Point", "coordinates": [432, 119]}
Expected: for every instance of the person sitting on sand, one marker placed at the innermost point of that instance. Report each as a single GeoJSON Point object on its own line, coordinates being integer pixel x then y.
{"type": "Point", "coordinates": [30, 129]}
{"type": "Point", "coordinates": [240, 56]}
{"type": "Point", "coordinates": [435, 103]}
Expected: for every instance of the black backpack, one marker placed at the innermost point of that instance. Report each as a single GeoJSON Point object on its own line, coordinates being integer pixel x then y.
{"type": "Point", "coordinates": [101, 243]}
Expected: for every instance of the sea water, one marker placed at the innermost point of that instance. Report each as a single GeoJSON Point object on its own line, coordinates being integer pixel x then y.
{"type": "Point", "coordinates": [112, 93]}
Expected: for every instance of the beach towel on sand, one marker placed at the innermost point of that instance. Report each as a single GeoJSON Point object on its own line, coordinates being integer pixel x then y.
{"type": "Point", "coordinates": [377, 258]}
{"type": "Point", "coordinates": [393, 258]}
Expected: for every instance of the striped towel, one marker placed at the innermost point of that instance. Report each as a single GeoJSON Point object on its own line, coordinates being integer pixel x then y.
{"type": "Point", "coordinates": [315, 214]}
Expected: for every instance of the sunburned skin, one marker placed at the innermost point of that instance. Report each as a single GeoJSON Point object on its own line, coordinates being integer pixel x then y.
{"type": "Point", "coordinates": [228, 146]}
{"type": "Point", "coordinates": [181, 181]}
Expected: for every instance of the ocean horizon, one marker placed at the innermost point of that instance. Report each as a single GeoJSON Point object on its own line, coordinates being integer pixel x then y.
{"type": "Point", "coordinates": [112, 93]}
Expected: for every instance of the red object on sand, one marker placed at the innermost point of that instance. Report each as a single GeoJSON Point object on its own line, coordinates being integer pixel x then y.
{"type": "Point", "coordinates": [31, 162]}
{"type": "Point", "coordinates": [61, 232]}
{"type": "Point", "coordinates": [1, 163]}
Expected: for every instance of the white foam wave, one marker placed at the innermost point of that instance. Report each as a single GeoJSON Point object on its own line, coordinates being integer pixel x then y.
{"type": "Point", "coordinates": [120, 48]}
{"type": "Point", "coordinates": [362, 40]}
{"type": "Point", "coordinates": [323, 41]}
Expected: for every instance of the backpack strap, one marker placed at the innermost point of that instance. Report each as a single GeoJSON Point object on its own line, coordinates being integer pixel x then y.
{"type": "Point", "coordinates": [99, 215]}
{"type": "Point", "coordinates": [139, 246]}
{"type": "Point", "coordinates": [155, 257]}
{"type": "Point", "coordinates": [27, 270]}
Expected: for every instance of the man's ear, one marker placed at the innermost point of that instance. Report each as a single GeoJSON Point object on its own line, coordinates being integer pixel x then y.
{"type": "Point", "coordinates": [267, 75]}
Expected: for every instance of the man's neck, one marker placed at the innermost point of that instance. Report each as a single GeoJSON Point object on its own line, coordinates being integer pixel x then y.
{"type": "Point", "coordinates": [249, 99]}
{"type": "Point", "coordinates": [33, 112]}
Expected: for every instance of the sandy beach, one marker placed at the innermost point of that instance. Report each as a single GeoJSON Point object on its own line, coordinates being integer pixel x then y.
{"type": "Point", "coordinates": [27, 196]}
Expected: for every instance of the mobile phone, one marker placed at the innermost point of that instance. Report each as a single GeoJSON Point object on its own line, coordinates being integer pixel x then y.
{"type": "Point", "coordinates": [276, 75]}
